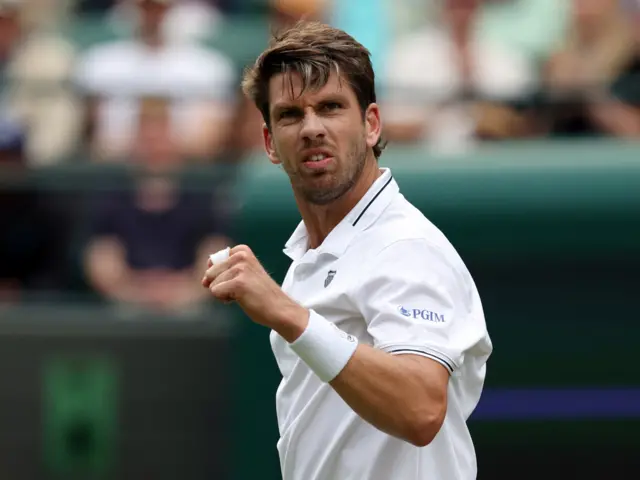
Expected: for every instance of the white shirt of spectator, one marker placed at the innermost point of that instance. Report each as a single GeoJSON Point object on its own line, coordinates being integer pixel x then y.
{"type": "Point", "coordinates": [186, 20]}
{"type": "Point", "coordinates": [388, 276]}
{"type": "Point", "coordinates": [422, 76]}
{"type": "Point", "coordinates": [124, 71]}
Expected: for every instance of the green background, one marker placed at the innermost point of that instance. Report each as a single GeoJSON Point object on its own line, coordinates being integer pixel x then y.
{"type": "Point", "coordinates": [551, 234]}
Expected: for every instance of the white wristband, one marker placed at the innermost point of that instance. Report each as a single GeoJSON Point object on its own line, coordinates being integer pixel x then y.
{"type": "Point", "coordinates": [324, 347]}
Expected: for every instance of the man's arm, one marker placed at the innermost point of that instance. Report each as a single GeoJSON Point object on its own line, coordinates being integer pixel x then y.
{"type": "Point", "coordinates": [616, 118]}
{"type": "Point", "coordinates": [402, 395]}
{"type": "Point", "coordinates": [107, 271]}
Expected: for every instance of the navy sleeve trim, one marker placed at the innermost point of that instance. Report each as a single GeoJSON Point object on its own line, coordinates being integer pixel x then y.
{"type": "Point", "coordinates": [444, 362]}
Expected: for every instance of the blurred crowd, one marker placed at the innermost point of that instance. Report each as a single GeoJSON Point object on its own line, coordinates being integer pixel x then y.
{"type": "Point", "coordinates": [154, 84]}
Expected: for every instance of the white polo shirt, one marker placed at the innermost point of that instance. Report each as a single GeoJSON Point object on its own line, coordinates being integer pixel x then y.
{"type": "Point", "coordinates": [122, 72]}
{"type": "Point", "coordinates": [388, 276]}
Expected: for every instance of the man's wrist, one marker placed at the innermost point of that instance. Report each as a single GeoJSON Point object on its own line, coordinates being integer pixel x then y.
{"type": "Point", "coordinates": [293, 322]}
{"type": "Point", "coordinates": [324, 347]}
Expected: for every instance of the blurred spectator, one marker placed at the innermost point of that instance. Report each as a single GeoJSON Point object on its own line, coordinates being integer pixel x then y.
{"type": "Point", "coordinates": [186, 20]}
{"type": "Point", "coordinates": [93, 6]}
{"type": "Point", "coordinates": [592, 78]}
{"type": "Point", "coordinates": [533, 27]}
{"type": "Point", "coordinates": [103, 6]}
{"type": "Point", "coordinates": [32, 242]}
{"type": "Point", "coordinates": [149, 244]}
{"type": "Point", "coordinates": [368, 21]}
{"type": "Point", "coordinates": [285, 12]}
{"type": "Point", "coordinates": [47, 14]}
{"type": "Point", "coordinates": [200, 82]}
{"type": "Point", "coordinates": [247, 129]}
{"type": "Point", "coordinates": [625, 90]}
{"type": "Point", "coordinates": [447, 84]}
{"type": "Point", "coordinates": [36, 68]}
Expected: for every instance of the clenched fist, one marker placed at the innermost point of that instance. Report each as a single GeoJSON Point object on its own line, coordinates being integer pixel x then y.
{"type": "Point", "coordinates": [242, 279]}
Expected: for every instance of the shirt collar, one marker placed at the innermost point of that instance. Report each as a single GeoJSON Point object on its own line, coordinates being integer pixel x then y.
{"type": "Point", "coordinates": [366, 211]}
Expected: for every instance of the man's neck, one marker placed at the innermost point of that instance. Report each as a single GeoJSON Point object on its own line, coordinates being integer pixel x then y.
{"type": "Point", "coordinates": [320, 220]}
{"type": "Point", "coordinates": [152, 40]}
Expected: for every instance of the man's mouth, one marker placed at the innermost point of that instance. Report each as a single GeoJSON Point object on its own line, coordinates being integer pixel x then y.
{"type": "Point", "coordinates": [317, 158]}
{"type": "Point", "coordinates": [318, 161]}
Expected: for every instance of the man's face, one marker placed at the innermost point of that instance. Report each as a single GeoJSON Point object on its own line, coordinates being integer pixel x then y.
{"type": "Point", "coordinates": [155, 147]}
{"type": "Point", "coordinates": [461, 12]}
{"type": "Point", "coordinates": [152, 15]}
{"type": "Point", "coordinates": [320, 138]}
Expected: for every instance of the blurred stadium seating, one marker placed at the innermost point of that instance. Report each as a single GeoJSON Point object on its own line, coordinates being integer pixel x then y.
{"type": "Point", "coordinates": [539, 191]}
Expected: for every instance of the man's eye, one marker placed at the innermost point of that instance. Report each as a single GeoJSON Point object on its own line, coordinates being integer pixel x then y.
{"type": "Point", "coordinates": [288, 114]}
{"type": "Point", "coordinates": [332, 106]}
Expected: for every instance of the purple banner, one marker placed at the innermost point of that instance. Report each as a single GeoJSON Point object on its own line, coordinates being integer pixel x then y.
{"type": "Point", "coordinates": [557, 404]}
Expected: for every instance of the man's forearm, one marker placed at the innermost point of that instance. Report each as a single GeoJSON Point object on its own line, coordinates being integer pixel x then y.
{"type": "Point", "coordinates": [121, 290]}
{"type": "Point", "coordinates": [396, 394]}
{"type": "Point", "coordinates": [402, 395]}
{"type": "Point", "coordinates": [107, 271]}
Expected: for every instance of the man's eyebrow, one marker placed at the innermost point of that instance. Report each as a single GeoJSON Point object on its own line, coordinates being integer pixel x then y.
{"type": "Point", "coordinates": [284, 106]}
{"type": "Point", "coordinates": [280, 108]}
{"type": "Point", "coordinates": [331, 97]}
{"type": "Point", "coordinates": [334, 97]}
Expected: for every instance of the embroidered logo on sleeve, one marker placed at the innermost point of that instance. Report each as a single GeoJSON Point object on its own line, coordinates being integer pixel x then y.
{"type": "Point", "coordinates": [423, 314]}
{"type": "Point", "coordinates": [345, 335]}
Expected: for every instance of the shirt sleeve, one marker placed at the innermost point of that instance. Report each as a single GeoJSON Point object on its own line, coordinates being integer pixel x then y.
{"type": "Point", "coordinates": [417, 301]}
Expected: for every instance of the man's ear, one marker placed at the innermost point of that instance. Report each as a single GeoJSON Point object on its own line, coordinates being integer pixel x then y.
{"type": "Point", "coordinates": [373, 125]}
{"type": "Point", "coordinates": [269, 146]}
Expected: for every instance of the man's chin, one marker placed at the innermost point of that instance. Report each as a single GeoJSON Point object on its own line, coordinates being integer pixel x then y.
{"type": "Point", "coordinates": [324, 195]}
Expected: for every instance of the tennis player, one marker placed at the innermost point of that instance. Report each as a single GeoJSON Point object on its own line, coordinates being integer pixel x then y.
{"type": "Point", "coordinates": [378, 328]}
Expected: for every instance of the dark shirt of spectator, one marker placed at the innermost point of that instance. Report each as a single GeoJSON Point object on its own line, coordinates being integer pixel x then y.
{"type": "Point", "coordinates": [163, 238]}
{"type": "Point", "coordinates": [150, 240]}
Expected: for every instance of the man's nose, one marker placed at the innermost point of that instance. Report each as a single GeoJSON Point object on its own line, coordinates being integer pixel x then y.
{"type": "Point", "coordinates": [312, 127]}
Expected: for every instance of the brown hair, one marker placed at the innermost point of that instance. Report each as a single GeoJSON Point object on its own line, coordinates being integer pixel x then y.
{"type": "Point", "coordinates": [313, 50]}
